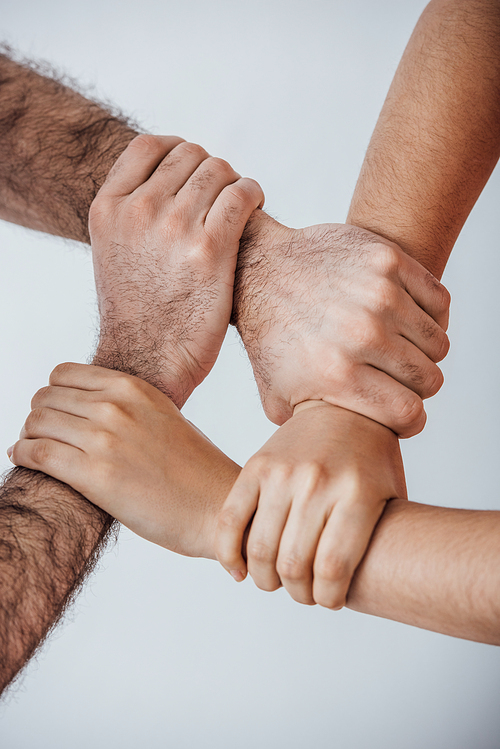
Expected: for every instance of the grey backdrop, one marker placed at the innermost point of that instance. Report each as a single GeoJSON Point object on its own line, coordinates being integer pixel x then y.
{"type": "Point", "coordinates": [165, 651]}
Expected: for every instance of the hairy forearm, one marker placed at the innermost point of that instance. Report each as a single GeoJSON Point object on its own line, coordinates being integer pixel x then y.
{"type": "Point", "coordinates": [50, 538]}
{"type": "Point", "coordinates": [437, 139]}
{"type": "Point", "coordinates": [56, 148]}
{"type": "Point", "coordinates": [433, 567]}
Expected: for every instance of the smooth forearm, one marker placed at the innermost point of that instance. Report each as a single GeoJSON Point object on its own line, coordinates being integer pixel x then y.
{"type": "Point", "coordinates": [433, 567]}
{"type": "Point", "coordinates": [437, 139]}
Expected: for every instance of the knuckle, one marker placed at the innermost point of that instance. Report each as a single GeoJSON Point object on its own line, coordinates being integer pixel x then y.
{"type": "Point", "coordinates": [261, 465]}
{"type": "Point", "coordinates": [104, 442]}
{"type": "Point", "coordinates": [385, 258]}
{"type": "Point", "coordinates": [260, 553]}
{"type": "Point", "coordinates": [333, 568]}
{"type": "Point", "coordinates": [99, 209]}
{"type": "Point", "coordinates": [34, 420]}
{"type": "Point", "coordinates": [384, 295]}
{"type": "Point", "coordinates": [40, 395]}
{"type": "Point", "coordinates": [251, 189]}
{"type": "Point", "coordinates": [445, 301]}
{"type": "Point", "coordinates": [229, 519]}
{"type": "Point", "coordinates": [61, 372]}
{"type": "Point", "coordinates": [441, 293]}
{"type": "Point", "coordinates": [311, 474]}
{"type": "Point", "coordinates": [143, 202]}
{"type": "Point", "coordinates": [438, 339]}
{"type": "Point", "coordinates": [41, 453]}
{"type": "Point", "coordinates": [370, 335]}
{"type": "Point", "coordinates": [267, 585]}
{"type": "Point", "coordinates": [433, 382]}
{"type": "Point", "coordinates": [340, 370]}
{"type": "Point", "coordinates": [191, 148]}
{"type": "Point", "coordinates": [331, 601]}
{"type": "Point", "coordinates": [241, 193]}
{"type": "Point", "coordinates": [146, 142]}
{"type": "Point", "coordinates": [128, 386]}
{"type": "Point", "coordinates": [107, 412]}
{"type": "Point", "coordinates": [220, 167]}
{"type": "Point", "coordinates": [409, 410]}
{"type": "Point", "coordinates": [292, 567]}
{"type": "Point", "coordinates": [443, 345]}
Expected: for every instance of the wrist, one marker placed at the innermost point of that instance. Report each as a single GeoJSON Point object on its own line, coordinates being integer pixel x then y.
{"type": "Point", "coordinates": [167, 375]}
{"type": "Point", "coordinates": [304, 405]}
{"type": "Point", "coordinates": [260, 235]}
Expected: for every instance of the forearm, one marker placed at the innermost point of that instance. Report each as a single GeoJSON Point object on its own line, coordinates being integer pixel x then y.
{"type": "Point", "coordinates": [50, 538]}
{"type": "Point", "coordinates": [437, 139]}
{"type": "Point", "coordinates": [433, 567]}
{"type": "Point", "coordinates": [56, 148]}
{"type": "Point", "coordinates": [433, 149]}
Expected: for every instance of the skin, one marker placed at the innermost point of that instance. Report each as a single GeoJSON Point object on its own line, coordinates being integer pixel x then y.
{"type": "Point", "coordinates": [56, 148]}
{"type": "Point", "coordinates": [432, 567]}
{"type": "Point", "coordinates": [313, 501]}
{"type": "Point", "coordinates": [433, 149]}
{"type": "Point", "coordinates": [165, 230]}
{"type": "Point", "coordinates": [172, 188]}
{"type": "Point", "coordinates": [84, 141]}
{"type": "Point", "coordinates": [52, 188]}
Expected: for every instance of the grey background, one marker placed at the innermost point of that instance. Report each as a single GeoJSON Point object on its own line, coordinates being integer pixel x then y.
{"type": "Point", "coordinates": [167, 651]}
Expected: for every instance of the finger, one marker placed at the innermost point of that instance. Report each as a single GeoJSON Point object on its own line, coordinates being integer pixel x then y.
{"type": "Point", "coordinates": [205, 185]}
{"type": "Point", "coordinates": [56, 425]}
{"type": "Point", "coordinates": [231, 210]}
{"type": "Point", "coordinates": [233, 520]}
{"type": "Point", "coordinates": [265, 533]}
{"type": "Point", "coordinates": [83, 376]}
{"type": "Point", "coordinates": [137, 163]}
{"type": "Point", "coordinates": [57, 459]}
{"type": "Point", "coordinates": [341, 547]}
{"type": "Point", "coordinates": [420, 328]}
{"type": "Point", "coordinates": [405, 363]}
{"type": "Point", "coordinates": [69, 400]}
{"type": "Point", "coordinates": [380, 397]}
{"type": "Point", "coordinates": [299, 540]}
{"type": "Point", "coordinates": [426, 290]}
{"type": "Point", "coordinates": [176, 169]}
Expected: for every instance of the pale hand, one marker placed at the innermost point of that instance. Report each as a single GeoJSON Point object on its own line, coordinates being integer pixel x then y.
{"type": "Point", "coordinates": [124, 445]}
{"type": "Point", "coordinates": [336, 313]}
{"type": "Point", "coordinates": [313, 494]}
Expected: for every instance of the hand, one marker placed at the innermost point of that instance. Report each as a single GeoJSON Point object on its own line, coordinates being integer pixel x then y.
{"type": "Point", "coordinates": [315, 492]}
{"type": "Point", "coordinates": [336, 313]}
{"type": "Point", "coordinates": [124, 445]}
{"type": "Point", "coordinates": [165, 230]}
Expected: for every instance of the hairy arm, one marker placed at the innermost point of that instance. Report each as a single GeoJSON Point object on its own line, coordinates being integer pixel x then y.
{"type": "Point", "coordinates": [56, 148]}
{"type": "Point", "coordinates": [50, 539]}
{"type": "Point", "coordinates": [164, 256]}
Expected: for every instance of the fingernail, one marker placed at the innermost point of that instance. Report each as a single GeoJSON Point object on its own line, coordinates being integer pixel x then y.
{"type": "Point", "coordinates": [10, 451]}
{"type": "Point", "coordinates": [237, 575]}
